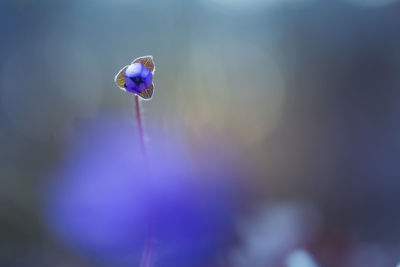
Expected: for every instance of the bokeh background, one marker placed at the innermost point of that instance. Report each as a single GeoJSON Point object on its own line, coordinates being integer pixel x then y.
{"type": "Point", "coordinates": [273, 135]}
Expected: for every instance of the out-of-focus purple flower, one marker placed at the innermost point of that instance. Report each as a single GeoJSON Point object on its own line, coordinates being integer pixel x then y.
{"type": "Point", "coordinates": [102, 196]}
{"type": "Point", "coordinates": [137, 78]}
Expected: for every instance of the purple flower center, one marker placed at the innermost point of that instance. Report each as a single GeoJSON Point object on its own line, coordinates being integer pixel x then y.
{"type": "Point", "coordinates": [137, 78]}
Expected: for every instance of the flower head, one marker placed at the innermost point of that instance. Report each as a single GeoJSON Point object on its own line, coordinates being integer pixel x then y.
{"type": "Point", "coordinates": [137, 77]}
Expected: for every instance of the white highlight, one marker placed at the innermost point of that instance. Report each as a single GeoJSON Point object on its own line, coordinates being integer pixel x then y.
{"type": "Point", "coordinates": [273, 233]}
{"type": "Point", "coordinates": [300, 258]}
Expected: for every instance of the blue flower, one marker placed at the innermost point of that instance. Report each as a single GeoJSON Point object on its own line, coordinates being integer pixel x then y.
{"type": "Point", "coordinates": [137, 78]}
{"type": "Point", "coordinates": [99, 199]}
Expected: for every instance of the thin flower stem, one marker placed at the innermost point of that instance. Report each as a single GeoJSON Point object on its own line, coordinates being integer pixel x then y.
{"type": "Point", "coordinates": [146, 258]}
{"type": "Point", "coordinates": [140, 127]}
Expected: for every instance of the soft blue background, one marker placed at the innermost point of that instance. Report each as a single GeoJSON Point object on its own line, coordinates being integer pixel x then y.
{"type": "Point", "coordinates": [274, 126]}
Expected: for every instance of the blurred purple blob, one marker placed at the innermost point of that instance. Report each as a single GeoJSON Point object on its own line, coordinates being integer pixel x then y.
{"type": "Point", "coordinates": [102, 196]}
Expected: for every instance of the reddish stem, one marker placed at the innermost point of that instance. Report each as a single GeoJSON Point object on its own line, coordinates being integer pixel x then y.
{"type": "Point", "coordinates": [140, 127]}
{"type": "Point", "coordinates": [146, 260]}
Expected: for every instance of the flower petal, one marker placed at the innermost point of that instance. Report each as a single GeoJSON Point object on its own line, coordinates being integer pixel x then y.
{"type": "Point", "coordinates": [134, 70]}
{"type": "Point", "coordinates": [146, 61]}
{"type": "Point", "coordinates": [120, 78]}
{"type": "Point", "coordinates": [147, 93]}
